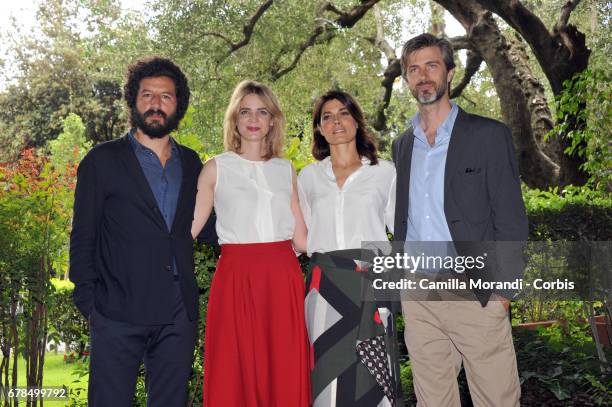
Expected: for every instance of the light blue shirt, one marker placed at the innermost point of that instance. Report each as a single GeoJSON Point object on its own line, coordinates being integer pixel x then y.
{"type": "Point", "coordinates": [426, 218]}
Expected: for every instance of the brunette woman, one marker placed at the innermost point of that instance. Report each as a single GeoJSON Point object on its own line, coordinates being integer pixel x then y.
{"type": "Point", "coordinates": [347, 197]}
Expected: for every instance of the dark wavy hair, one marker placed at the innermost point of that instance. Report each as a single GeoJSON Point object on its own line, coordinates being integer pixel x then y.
{"type": "Point", "coordinates": [366, 143]}
{"type": "Point", "coordinates": [153, 67]}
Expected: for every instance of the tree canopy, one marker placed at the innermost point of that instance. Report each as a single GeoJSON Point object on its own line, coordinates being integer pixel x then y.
{"type": "Point", "coordinates": [518, 63]}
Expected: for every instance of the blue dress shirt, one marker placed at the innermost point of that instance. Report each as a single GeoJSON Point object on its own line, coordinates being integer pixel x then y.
{"type": "Point", "coordinates": [426, 218]}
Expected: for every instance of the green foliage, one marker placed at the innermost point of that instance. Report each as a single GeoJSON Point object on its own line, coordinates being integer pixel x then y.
{"type": "Point", "coordinates": [66, 324]}
{"type": "Point", "coordinates": [205, 258]}
{"type": "Point", "coordinates": [298, 152]}
{"type": "Point", "coordinates": [78, 388]}
{"type": "Point", "coordinates": [571, 326]}
{"type": "Point", "coordinates": [70, 146]}
{"type": "Point", "coordinates": [35, 204]}
{"type": "Point", "coordinates": [68, 85]}
{"type": "Point", "coordinates": [588, 99]}
{"type": "Point", "coordinates": [57, 69]}
{"type": "Point", "coordinates": [62, 286]}
{"type": "Point", "coordinates": [572, 214]}
{"type": "Point", "coordinates": [340, 59]}
{"type": "Point", "coordinates": [561, 334]}
{"type": "Point", "coordinates": [570, 372]}
{"type": "Point", "coordinates": [407, 383]}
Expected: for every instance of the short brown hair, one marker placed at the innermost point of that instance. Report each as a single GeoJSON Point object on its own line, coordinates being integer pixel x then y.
{"type": "Point", "coordinates": [366, 143]}
{"type": "Point", "coordinates": [276, 135]}
{"type": "Point", "coordinates": [428, 40]}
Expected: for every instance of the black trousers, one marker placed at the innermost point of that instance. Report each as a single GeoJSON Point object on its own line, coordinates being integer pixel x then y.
{"type": "Point", "coordinates": [118, 349]}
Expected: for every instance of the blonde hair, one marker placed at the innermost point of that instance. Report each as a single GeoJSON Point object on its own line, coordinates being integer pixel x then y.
{"type": "Point", "coordinates": [274, 138]}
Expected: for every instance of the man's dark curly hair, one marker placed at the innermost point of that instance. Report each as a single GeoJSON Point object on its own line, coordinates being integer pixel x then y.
{"type": "Point", "coordinates": [154, 67]}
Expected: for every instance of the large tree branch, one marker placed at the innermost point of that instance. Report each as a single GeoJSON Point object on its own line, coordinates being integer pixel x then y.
{"type": "Point", "coordinates": [247, 30]}
{"type": "Point", "coordinates": [561, 28]}
{"type": "Point", "coordinates": [437, 24]}
{"type": "Point", "coordinates": [472, 65]}
{"type": "Point", "coordinates": [380, 40]}
{"type": "Point", "coordinates": [323, 32]}
{"type": "Point", "coordinates": [392, 72]}
{"type": "Point", "coordinates": [561, 53]}
{"type": "Point", "coordinates": [520, 18]}
{"type": "Point", "coordinates": [541, 117]}
{"type": "Point", "coordinates": [461, 42]}
{"type": "Point", "coordinates": [218, 35]}
{"type": "Point", "coordinates": [566, 11]}
{"type": "Point", "coordinates": [474, 59]}
{"type": "Point", "coordinates": [536, 168]}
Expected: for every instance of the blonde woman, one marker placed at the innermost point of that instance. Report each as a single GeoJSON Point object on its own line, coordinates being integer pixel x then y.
{"type": "Point", "coordinates": [256, 351]}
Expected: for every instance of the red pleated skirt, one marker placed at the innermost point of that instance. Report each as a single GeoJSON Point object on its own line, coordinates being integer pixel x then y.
{"type": "Point", "coordinates": [256, 351]}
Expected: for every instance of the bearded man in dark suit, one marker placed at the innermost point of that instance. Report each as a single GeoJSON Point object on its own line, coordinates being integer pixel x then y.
{"type": "Point", "coordinates": [131, 249]}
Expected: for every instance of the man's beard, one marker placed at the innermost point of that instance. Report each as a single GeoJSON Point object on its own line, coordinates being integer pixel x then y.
{"type": "Point", "coordinates": [430, 97]}
{"type": "Point", "coordinates": [155, 129]}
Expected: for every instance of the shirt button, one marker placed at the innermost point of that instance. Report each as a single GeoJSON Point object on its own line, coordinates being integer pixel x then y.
{"type": "Point", "coordinates": [426, 195]}
{"type": "Point", "coordinates": [427, 217]}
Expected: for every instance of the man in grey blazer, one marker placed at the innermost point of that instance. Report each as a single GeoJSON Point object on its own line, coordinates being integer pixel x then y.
{"type": "Point", "coordinates": [457, 181]}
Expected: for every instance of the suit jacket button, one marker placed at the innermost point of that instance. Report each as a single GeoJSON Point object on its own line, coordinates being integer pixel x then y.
{"type": "Point", "coordinates": [169, 268]}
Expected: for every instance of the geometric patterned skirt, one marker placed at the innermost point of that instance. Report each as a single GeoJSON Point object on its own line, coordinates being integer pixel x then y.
{"type": "Point", "coordinates": [353, 348]}
{"type": "Point", "coordinates": [256, 342]}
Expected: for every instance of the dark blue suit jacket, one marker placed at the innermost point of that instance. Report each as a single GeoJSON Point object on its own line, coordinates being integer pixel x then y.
{"type": "Point", "coordinates": [121, 250]}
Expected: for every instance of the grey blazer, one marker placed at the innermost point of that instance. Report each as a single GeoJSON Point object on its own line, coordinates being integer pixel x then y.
{"type": "Point", "coordinates": [482, 192]}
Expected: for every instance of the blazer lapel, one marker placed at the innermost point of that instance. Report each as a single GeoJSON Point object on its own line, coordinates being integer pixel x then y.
{"type": "Point", "coordinates": [182, 190]}
{"type": "Point", "coordinates": [134, 170]}
{"type": "Point", "coordinates": [456, 147]}
{"type": "Point", "coordinates": [403, 165]}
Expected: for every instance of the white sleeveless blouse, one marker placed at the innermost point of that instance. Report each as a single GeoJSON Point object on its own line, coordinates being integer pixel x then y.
{"type": "Point", "coordinates": [253, 199]}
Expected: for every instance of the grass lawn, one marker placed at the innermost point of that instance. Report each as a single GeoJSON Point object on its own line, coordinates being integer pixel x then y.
{"type": "Point", "coordinates": [57, 373]}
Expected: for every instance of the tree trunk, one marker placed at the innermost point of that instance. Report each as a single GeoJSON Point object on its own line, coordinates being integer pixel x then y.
{"type": "Point", "coordinates": [15, 342]}
{"type": "Point", "coordinates": [536, 168]}
{"type": "Point", "coordinates": [562, 53]}
{"type": "Point", "coordinates": [437, 24]}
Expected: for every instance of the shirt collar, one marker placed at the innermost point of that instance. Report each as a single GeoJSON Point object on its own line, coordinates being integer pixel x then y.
{"type": "Point", "coordinates": [329, 171]}
{"type": "Point", "coordinates": [444, 131]}
{"type": "Point", "coordinates": [141, 148]}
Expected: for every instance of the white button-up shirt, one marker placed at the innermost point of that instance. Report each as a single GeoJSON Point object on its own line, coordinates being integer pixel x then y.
{"type": "Point", "coordinates": [343, 218]}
